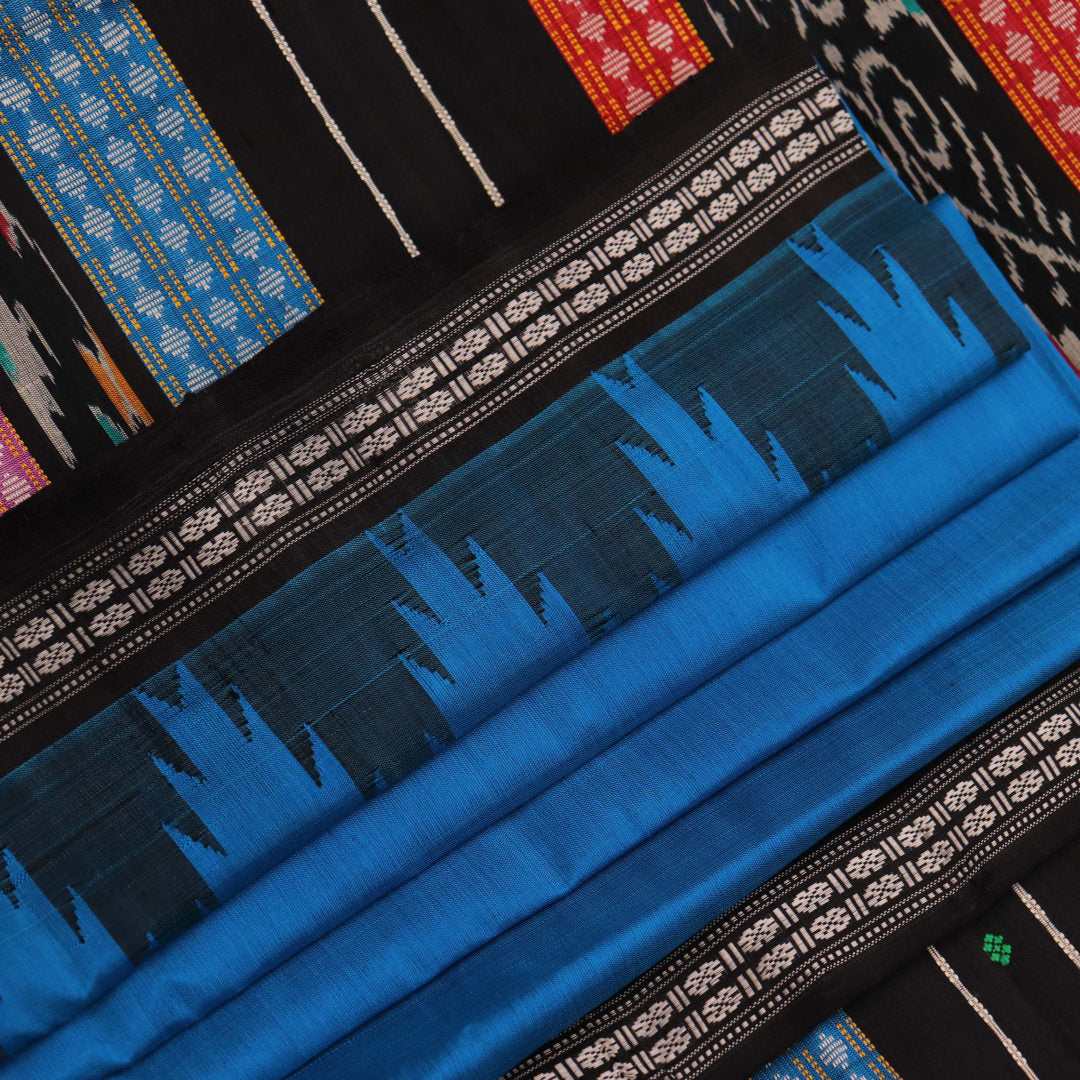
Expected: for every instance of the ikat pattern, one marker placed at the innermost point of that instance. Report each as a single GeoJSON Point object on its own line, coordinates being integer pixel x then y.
{"type": "Point", "coordinates": [940, 135]}
{"type": "Point", "coordinates": [326, 458]}
{"type": "Point", "coordinates": [121, 158]}
{"type": "Point", "coordinates": [627, 54]}
{"type": "Point", "coordinates": [1032, 48]}
{"type": "Point", "coordinates": [55, 361]}
{"type": "Point", "coordinates": [20, 474]}
{"type": "Point", "coordinates": [835, 902]}
{"type": "Point", "coordinates": [835, 1050]}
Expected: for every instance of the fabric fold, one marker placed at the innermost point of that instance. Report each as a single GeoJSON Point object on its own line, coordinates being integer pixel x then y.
{"type": "Point", "coordinates": [684, 639]}
{"type": "Point", "coordinates": [578, 951]}
{"type": "Point", "coordinates": [515, 566]}
{"type": "Point", "coordinates": [628, 607]}
{"type": "Point", "coordinates": [661, 771]}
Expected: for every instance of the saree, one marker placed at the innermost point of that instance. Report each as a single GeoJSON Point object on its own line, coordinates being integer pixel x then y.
{"type": "Point", "coordinates": [582, 577]}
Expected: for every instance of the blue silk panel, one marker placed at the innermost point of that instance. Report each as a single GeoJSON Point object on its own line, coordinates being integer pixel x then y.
{"type": "Point", "coordinates": [463, 778]}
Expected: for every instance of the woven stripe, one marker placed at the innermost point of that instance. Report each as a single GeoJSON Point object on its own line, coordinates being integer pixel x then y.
{"type": "Point", "coordinates": [626, 55]}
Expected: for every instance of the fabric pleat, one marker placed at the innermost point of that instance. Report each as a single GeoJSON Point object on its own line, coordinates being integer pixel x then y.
{"type": "Point", "coordinates": [501, 653]}
{"type": "Point", "coordinates": [607, 591]}
{"type": "Point", "coordinates": [679, 644]}
{"type": "Point", "coordinates": [588, 946]}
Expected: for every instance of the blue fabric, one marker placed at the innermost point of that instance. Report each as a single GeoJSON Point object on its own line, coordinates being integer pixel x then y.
{"type": "Point", "coordinates": [571, 832]}
{"type": "Point", "coordinates": [681, 642]}
{"type": "Point", "coordinates": [126, 165]}
{"type": "Point", "coordinates": [604, 668]}
{"type": "Point", "coordinates": [404, 640]}
{"type": "Point", "coordinates": [551, 969]}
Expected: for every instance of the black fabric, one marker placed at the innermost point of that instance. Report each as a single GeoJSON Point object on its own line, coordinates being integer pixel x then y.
{"type": "Point", "coordinates": [49, 295]}
{"type": "Point", "coordinates": [927, 1030]}
{"type": "Point", "coordinates": [38, 538]}
{"type": "Point", "coordinates": [938, 116]}
{"type": "Point", "coordinates": [473, 53]}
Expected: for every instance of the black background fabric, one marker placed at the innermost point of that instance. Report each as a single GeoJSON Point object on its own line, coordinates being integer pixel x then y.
{"type": "Point", "coordinates": [58, 524]}
{"type": "Point", "coordinates": [927, 101]}
{"type": "Point", "coordinates": [490, 63]}
{"type": "Point", "coordinates": [927, 1031]}
{"type": "Point", "coordinates": [26, 281]}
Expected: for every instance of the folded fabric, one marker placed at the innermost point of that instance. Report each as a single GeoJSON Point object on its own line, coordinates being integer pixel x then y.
{"type": "Point", "coordinates": [980, 810]}
{"type": "Point", "coordinates": [666, 543]}
{"type": "Point", "coordinates": [678, 644]}
{"type": "Point", "coordinates": [577, 951]}
{"type": "Point", "coordinates": [565, 836]}
{"type": "Point", "coordinates": [402, 674]}
{"type": "Point", "coordinates": [628, 606]}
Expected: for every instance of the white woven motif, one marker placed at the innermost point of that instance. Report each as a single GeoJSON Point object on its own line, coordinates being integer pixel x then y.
{"type": "Point", "coordinates": [913, 835]}
{"type": "Point", "coordinates": [106, 623]}
{"type": "Point", "coordinates": [880, 892]}
{"type": "Point", "coordinates": [776, 959]}
{"type": "Point", "coordinates": [1011, 758]}
{"type": "Point", "coordinates": [869, 862]}
{"type": "Point", "coordinates": [830, 924]}
{"type": "Point", "coordinates": [671, 1046]}
{"type": "Point", "coordinates": [1025, 785]}
{"type": "Point", "coordinates": [935, 857]}
{"type": "Point", "coordinates": [1068, 755]}
{"type": "Point", "coordinates": [652, 1020]}
{"type": "Point", "coordinates": [964, 794]}
{"type": "Point", "coordinates": [755, 937]}
{"type": "Point", "coordinates": [592, 1057]}
{"type": "Point", "coordinates": [90, 595]}
{"type": "Point", "coordinates": [587, 285]}
{"type": "Point", "coordinates": [1055, 727]}
{"type": "Point", "coordinates": [722, 1004]}
{"type": "Point", "coordinates": [704, 978]}
{"type": "Point", "coordinates": [812, 897]}
{"type": "Point", "coordinates": [979, 820]}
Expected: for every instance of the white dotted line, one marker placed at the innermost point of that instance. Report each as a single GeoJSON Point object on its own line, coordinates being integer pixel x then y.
{"type": "Point", "coordinates": [440, 110]}
{"type": "Point", "coordinates": [983, 1013]}
{"type": "Point", "coordinates": [331, 125]}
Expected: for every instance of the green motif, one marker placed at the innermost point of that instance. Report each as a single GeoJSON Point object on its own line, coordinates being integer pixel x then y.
{"type": "Point", "coordinates": [1000, 953]}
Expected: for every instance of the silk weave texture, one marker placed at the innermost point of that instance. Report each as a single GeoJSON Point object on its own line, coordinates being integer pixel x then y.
{"type": "Point", "coordinates": [540, 540]}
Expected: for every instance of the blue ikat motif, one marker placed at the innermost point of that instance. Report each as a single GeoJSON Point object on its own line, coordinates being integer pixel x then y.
{"type": "Point", "coordinates": [835, 1050]}
{"type": "Point", "coordinates": [120, 156]}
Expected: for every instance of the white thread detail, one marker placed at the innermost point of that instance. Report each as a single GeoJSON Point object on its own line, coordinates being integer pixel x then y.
{"type": "Point", "coordinates": [336, 133]}
{"type": "Point", "coordinates": [983, 1013]}
{"type": "Point", "coordinates": [440, 110]}
{"type": "Point", "coordinates": [1036, 909]}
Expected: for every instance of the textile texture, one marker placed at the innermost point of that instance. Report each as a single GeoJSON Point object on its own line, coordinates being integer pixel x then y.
{"type": "Point", "coordinates": [549, 317]}
{"type": "Point", "coordinates": [20, 474]}
{"type": "Point", "coordinates": [120, 155]}
{"type": "Point", "coordinates": [939, 117]}
{"type": "Point", "coordinates": [50, 350]}
{"type": "Point", "coordinates": [1030, 47]}
{"type": "Point", "coordinates": [530, 547]}
{"type": "Point", "coordinates": [315, 795]}
{"type": "Point", "coordinates": [625, 55]}
{"type": "Point", "coordinates": [998, 990]}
